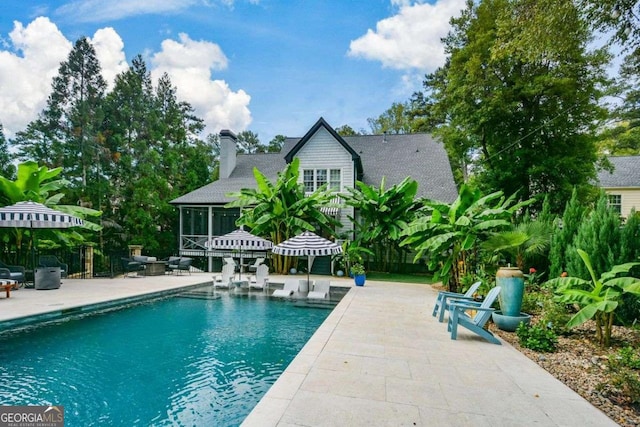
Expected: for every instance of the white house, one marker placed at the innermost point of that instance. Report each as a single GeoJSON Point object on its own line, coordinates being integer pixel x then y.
{"type": "Point", "coordinates": [622, 185]}
{"type": "Point", "coordinates": [325, 157]}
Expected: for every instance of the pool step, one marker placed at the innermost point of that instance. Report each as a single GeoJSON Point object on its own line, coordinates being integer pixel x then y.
{"type": "Point", "coordinates": [200, 294]}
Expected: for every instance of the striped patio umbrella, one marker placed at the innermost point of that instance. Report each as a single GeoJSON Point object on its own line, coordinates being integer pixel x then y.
{"type": "Point", "coordinates": [34, 215]}
{"type": "Point", "coordinates": [307, 244]}
{"type": "Point", "coordinates": [240, 240]}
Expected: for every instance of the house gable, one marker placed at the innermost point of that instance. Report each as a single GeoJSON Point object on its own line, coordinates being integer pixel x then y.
{"type": "Point", "coordinates": [312, 134]}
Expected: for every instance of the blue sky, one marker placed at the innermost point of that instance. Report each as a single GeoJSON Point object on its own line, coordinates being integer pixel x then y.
{"type": "Point", "coordinates": [269, 66]}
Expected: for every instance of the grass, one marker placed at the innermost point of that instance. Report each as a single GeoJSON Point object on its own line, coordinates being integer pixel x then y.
{"type": "Point", "coordinates": [400, 277]}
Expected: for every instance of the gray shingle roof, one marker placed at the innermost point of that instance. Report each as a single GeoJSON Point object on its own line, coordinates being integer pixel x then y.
{"type": "Point", "coordinates": [392, 156]}
{"type": "Point", "coordinates": [626, 173]}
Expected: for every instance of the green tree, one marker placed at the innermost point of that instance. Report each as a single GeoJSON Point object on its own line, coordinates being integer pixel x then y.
{"type": "Point", "coordinates": [619, 18]}
{"type": "Point", "coordinates": [346, 130]}
{"type": "Point", "coordinates": [276, 144]}
{"type": "Point", "coordinates": [395, 120]}
{"type": "Point", "coordinates": [7, 169]}
{"type": "Point", "coordinates": [66, 131]}
{"type": "Point", "coordinates": [281, 210]}
{"type": "Point", "coordinates": [630, 238]}
{"type": "Point", "coordinates": [518, 96]}
{"type": "Point", "coordinates": [449, 233]}
{"type": "Point", "coordinates": [249, 143]}
{"type": "Point", "coordinates": [599, 236]}
{"type": "Point", "coordinates": [564, 233]}
{"type": "Point", "coordinates": [383, 213]}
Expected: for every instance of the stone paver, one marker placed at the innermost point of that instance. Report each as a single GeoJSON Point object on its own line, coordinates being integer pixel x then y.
{"type": "Point", "coordinates": [379, 359]}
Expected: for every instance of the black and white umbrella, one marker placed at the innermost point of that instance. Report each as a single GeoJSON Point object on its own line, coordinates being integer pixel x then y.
{"type": "Point", "coordinates": [240, 240]}
{"type": "Point", "coordinates": [307, 244]}
{"type": "Point", "coordinates": [34, 215]}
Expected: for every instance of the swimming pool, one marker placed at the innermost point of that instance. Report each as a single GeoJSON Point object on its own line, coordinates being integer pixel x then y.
{"type": "Point", "coordinates": [175, 361]}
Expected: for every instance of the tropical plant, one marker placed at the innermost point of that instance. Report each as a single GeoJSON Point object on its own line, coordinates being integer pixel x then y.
{"type": "Point", "coordinates": [448, 232]}
{"type": "Point", "coordinates": [357, 269]}
{"type": "Point", "coordinates": [351, 253]}
{"type": "Point", "coordinates": [523, 241]}
{"type": "Point", "coordinates": [598, 298]}
{"type": "Point", "coordinates": [281, 210]}
{"type": "Point", "coordinates": [382, 215]}
{"type": "Point", "coordinates": [38, 184]}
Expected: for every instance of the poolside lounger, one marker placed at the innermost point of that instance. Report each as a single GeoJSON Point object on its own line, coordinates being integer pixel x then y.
{"type": "Point", "coordinates": [259, 281]}
{"type": "Point", "coordinates": [320, 290]}
{"type": "Point", "coordinates": [444, 297]}
{"type": "Point", "coordinates": [475, 323]}
{"type": "Point", "coordinates": [224, 279]}
{"type": "Point", "coordinates": [254, 267]}
{"type": "Point", "coordinates": [290, 286]}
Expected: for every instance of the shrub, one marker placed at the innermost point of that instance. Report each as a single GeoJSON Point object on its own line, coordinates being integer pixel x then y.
{"type": "Point", "coordinates": [532, 302]}
{"type": "Point", "coordinates": [623, 367]}
{"type": "Point", "coordinates": [537, 338]}
{"type": "Point", "coordinates": [554, 316]}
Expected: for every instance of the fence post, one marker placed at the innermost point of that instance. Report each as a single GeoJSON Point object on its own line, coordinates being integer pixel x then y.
{"type": "Point", "coordinates": [88, 261]}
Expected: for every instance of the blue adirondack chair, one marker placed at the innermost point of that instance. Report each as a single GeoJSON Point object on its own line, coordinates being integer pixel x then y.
{"type": "Point", "coordinates": [458, 316]}
{"type": "Point", "coordinates": [445, 296]}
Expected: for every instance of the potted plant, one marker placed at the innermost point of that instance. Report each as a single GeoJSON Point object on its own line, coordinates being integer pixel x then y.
{"type": "Point", "coordinates": [358, 272]}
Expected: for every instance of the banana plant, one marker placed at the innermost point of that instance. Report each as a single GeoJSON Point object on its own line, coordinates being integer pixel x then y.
{"type": "Point", "coordinates": [447, 233]}
{"type": "Point", "coordinates": [598, 298]}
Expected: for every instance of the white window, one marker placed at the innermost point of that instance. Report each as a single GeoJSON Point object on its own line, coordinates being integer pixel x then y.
{"type": "Point", "coordinates": [615, 203]}
{"type": "Point", "coordinates": [335, 181]}
{"type": "Point", "coordinates": [308, 180]}
{"type": "Point", "coordinates": [316, 178]}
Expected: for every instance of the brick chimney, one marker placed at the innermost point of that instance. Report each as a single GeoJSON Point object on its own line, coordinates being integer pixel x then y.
{"type": "Point", "coordinates": [227, 153]}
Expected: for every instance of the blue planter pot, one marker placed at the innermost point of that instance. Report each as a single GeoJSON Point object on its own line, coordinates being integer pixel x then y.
{"type": "Point", "coordinates": [360, 279]}
{"type": "Point", "coordinates": [511, 282]}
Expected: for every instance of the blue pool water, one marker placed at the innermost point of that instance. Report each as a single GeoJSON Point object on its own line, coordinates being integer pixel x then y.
{"type": "Point", "coordinates": [175, 361]}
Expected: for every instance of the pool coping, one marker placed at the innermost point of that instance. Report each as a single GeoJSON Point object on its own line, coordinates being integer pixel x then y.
{"type": "Point", "coordinates": [82, 309]}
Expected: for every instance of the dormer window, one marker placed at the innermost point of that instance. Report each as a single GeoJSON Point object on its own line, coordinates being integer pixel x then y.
{"type": "Point", "coordinates": [316, 178]}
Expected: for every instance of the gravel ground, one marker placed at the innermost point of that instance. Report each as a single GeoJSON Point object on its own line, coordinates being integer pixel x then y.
{"type": "Point", "coordinates": [582, 365]}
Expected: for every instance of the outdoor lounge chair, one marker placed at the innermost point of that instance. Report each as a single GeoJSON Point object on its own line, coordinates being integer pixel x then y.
{"type": "Point", "coordinates": [180, 264]}
{"type": "Point", "coordinates": [259, 281]}
{"type": "Point", "coordinates": [224, 279]}
{"type": "Point", "coordinates": [131, 266]}
{"type": "Point", "coordinates": [52, 261]}
{"type": "Point", "coordinates": [254, 267]}
{"type": "Point", "coordinates": [320, 290]}
{"type": "Point", "coordinates": [475, 323]}
{"type": "Point", "coordinates": [290, 286]}
{"type": "Point", "coordinates": [444, 296]}
{"type": "Point", "coordinates": [16, 272]}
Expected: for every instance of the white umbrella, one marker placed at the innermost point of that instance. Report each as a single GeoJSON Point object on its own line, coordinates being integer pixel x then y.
{"type": "Point", "coordinates": [240, 240]}
{"type": "Point", "coordinates": [36, 215]}
{"type": "Point", "coordinates": [307, 244]}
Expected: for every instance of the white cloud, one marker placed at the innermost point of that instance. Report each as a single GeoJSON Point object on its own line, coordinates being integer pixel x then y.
{"type": "Point", "coordinates": [31, 60]}
{"type": "Point", "coordinates": [189, 63]}
{"type": "Point", "coordinates": [32, 55]}
{"type": "Point", "coordinates": [100, 10]}
{"type": "Point", "coordinates": [409, 40]}
{"type": "Point", "coordinates": [110, 52]}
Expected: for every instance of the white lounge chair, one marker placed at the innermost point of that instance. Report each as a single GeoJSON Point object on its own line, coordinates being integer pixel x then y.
{"type": "Point", "coordinates": [259, 281]}
{"type": "Point", "coordinates": [290, 286]}
{"type": "Point", "coordinates": [320, 290]}
{"type": "Point", "coordinates": [224, 279]}
{"type": "Point", "coordinates": [254, 267]}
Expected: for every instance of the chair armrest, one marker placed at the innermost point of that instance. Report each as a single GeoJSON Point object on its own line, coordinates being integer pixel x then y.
{"type": "Point", "coordinates": [470, 307]}
{"type": "Point", "coordinates": [5, 273]}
